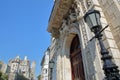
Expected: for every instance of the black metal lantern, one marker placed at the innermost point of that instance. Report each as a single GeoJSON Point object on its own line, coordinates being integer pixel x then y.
{"type": "Point", "coordinates": [92, 18]}
{"type": "Point", "coordinates": [51, 64]}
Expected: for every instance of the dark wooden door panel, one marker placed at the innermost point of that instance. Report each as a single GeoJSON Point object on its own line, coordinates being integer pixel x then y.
{"type": "Point", "coordinates": [76, 60]}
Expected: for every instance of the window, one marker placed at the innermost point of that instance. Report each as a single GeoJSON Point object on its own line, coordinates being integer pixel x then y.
{"type": "Point", "coordinates": [45, 71]}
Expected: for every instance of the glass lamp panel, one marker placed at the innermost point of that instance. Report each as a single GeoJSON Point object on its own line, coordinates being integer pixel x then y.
{"type": "Point", "coordinates": [51, 64]}
{"type": "Point", "coordinates": [98, 19]}
{"type": "Point", "coordinates": [88, 21]}
{"type": "Point", "coordinates": [93, 19]}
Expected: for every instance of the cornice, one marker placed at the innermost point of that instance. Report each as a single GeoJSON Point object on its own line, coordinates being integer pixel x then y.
{"type": "Point", "coordinates": [60, 9]}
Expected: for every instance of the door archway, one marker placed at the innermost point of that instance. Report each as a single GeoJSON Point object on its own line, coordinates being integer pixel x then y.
{"type": "Point", "coordinates": [76, 60]}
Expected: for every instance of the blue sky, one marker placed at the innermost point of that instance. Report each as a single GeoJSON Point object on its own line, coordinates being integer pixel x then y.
{"type": "Point", "coordinates": [23, 29]}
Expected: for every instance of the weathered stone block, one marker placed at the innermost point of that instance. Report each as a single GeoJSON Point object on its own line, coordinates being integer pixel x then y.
{"type": "Point", "coordinates": [107, 34]}
{"type": "Point", "coordinates": [109, 43]}
{"type": "Point", "coordinates": [110, 2]}
{"type": "Point", "coordinates": [103, 20]}
{"type": "Point", "coordinates": [115, 53]}
{"type": "Point", "coordinates": [103, 2]}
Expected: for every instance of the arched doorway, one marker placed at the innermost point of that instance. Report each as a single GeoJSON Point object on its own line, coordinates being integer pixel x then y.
{"type": "Point", "coordinates": [76, 60]}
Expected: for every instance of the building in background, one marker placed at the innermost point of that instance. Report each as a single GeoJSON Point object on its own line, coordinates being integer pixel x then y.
{"type": "Point", "coordinates": [45, 66]}
{"type": "Point", "coordinates": [32, 73]}
{"type": "Point", "coordinates": [22, 68]}
{"type": "Point", "coordinates": [3, 67]}
{"type": "Point", "coordinates": [75, 56]}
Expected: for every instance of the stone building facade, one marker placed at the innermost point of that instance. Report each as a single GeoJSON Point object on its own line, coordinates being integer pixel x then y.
{"type": "Point", "coordinates": [71, 36]}
{"type": "Point", "coordinates": [111, 9]}
{"type": "Point", "coordinates": [33, 67]}
{"type": "Point", "coordinates": [3, 67]}
{"type": "Point", "coordinates": [45, 66]}
{"type": "Point", "coordinates": [21, 67]}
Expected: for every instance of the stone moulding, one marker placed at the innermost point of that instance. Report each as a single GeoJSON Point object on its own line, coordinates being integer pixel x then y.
{"type": "Point", "coordinates": [60, 9]}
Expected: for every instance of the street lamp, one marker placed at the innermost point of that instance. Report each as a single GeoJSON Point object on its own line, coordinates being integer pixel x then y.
{"type": "Point", "coordinates": [92, 18]}
{"type": "Point", "coordinates": [51, 66]}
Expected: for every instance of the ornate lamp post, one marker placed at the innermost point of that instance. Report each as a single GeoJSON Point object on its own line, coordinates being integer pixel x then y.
{"type": "Point", "coordinates": [92, 18]}
{"type": "Point", "coordinates": [51, 66]}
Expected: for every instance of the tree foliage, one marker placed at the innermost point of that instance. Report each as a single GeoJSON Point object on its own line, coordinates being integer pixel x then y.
{"type": "Point", "coordinates": [3, 76]}
{"type": "Point", "coordinates": [21, 77]}
{"type": "Point", "coordinates": [39, 77]}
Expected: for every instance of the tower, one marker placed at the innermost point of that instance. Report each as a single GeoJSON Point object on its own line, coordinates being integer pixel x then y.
{"type": "Point", "coordinates": [32, 73]}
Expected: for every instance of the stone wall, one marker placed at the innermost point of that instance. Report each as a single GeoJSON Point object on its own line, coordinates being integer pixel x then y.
{"type": "Point", "coordinates": [111, 9]}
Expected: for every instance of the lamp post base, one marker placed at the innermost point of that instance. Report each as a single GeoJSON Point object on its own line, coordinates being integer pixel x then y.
{"type": "Point", "coordinates": [110, 68]}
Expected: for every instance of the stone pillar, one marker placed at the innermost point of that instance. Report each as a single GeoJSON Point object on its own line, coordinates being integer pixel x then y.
{"type": "Point", "coordinates": [58, 61]}
{"type": "Point", "coordinates": [66, 64]}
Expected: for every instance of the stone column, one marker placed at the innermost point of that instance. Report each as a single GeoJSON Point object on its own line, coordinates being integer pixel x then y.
{"type": "Point", "coordinates": [58, 60]}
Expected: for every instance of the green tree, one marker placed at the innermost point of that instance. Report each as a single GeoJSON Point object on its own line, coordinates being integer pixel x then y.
{"type": "Point", "coordinates": [0, 75]}
{"type": "Point", "coordinates": [21, 77]}
{"type": "Point", "coordinates": [3, 76]}
{"type": "Point", "coordinates": [39, 77]}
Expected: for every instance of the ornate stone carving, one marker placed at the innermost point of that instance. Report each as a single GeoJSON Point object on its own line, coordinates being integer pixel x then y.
{"type": "Point", "coordinates": [89, 3]}
{"type": "Point", "coordinates": [64, 23]}
{"type": "Point", "coordinates": [82, 2]}
{"type": "Point", "coordinates": [74, 12]}
{"type": "Point", "coordinates": [71, 20]}
{"type": "Point", "coordinates": [64, 27]}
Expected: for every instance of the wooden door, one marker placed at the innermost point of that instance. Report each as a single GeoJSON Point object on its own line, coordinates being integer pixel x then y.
{"type": "Point", "coordinates": [76, 60]}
